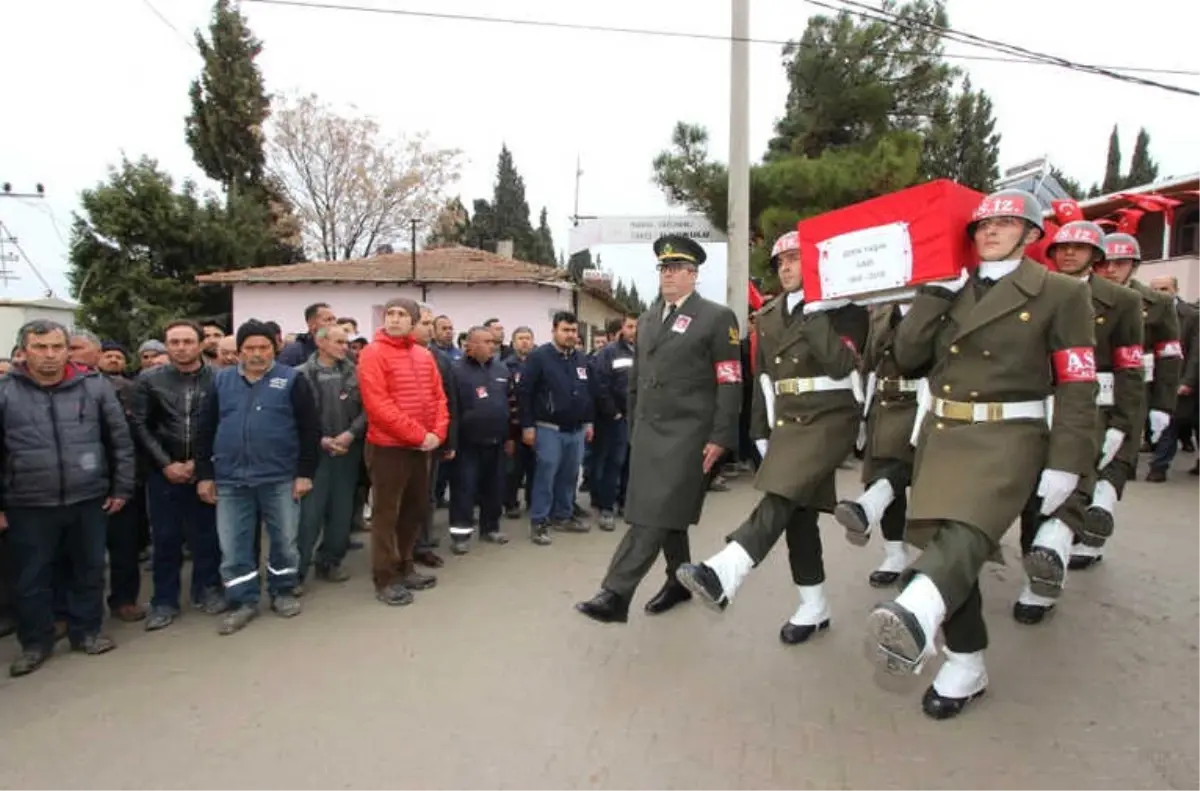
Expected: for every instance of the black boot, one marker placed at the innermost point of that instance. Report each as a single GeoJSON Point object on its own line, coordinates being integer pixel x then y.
{"type": "Point", "coordinates": [605, 607]}
{"type": "Point", "coordinates": [943, 708]}
{"type": "Point", "coordinates": [703, 582]}
{"type": "Point", "coordinates": [672, 593]}
{"type": "Point", "coordinates": [853, 517]}
{"type": "Point", "coordinates": [883, 579]}
{"type": "Point", "coordinates": [1030, 614]}
{"type": "Point", "coordinates": [794, 634]}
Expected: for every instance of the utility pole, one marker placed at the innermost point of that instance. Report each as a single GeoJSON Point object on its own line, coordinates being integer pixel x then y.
{"type": "Point", "coordinates": [578, 173]}
{"type": "Point", "coordinates": [414, 222]}
{"type": "Point", "coordinates": [6, 238]}
{"type": "Point", "coordinates": [738, 253]}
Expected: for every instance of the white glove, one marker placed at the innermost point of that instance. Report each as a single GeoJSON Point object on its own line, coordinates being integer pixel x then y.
{"type": "Point", "coordinates": [761, 444]}
{"type": "Point", "coordinates": [956, 285]}
{"type": "Point", "coordinates": [1054, 488]}
{"type": "Point", "coordinates": [860, 444]}
{"type": "Point", "coordinates": [824, 304]}
{"type": "Point", "coordinates": [1159, 421]}
{"type": "Point", "coordinates": [1113, 439]}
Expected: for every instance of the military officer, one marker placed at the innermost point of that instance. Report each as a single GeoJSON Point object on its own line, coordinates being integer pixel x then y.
{"type": "Point", "coordinates": [1162, 361]}
{"type": "Point", "coordinates": [805, 419]}
{"type": "Point", "coordinates": [685, 392]}
{"type": "Point", "coordinates": [890, 410]}
{"type": "Point", "coordinates": [997, 344]}
{"type": "Point", "coordinates": [1076, 249]}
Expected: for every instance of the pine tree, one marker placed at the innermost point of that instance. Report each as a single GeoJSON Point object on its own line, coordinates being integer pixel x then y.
{"type": "Point", "coordinates": [1112, 168]}
{"type": "Point", "coordinates": [621, 294]}
{"type": "Point", "coordinates": [963, 145]}
{"type": "Point", "coordinates": [229, 103]}
{"type": "Point", "coordinates": [542, 249]}
{"type": "Point", "coordinates": [635, 301]}
{"type": "Point", "coordinates": [509, 209]}
{"type": "Point", "coordinates": [1142, 169]}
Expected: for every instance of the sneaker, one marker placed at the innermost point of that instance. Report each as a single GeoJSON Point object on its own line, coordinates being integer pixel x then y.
{"type": "Point", "coordinates": [332, 573]}
{"type": "Point", "coordinates": [237, 619]}
{"type": "Point", "coordinates": [94, 644]}
{"type": "Point", "coordinates": [160, 618]}
{"type": "Point", "coordinates": [29, 661]}
{"type": "Point", "coordinates": [539, 534]}
{"type": "Point", "coordinates": [608, 522]}
{"type": "Point", "coordinates": [460, 547]}
{"type": "Point", "coordinates": [494, 537]}
{"type": "Point", "coordinates": [394, 595]}
{"type": "Point", "coordinates": [571, 525]}
{"type": "Point", "coordinates": [211, 603]}
{"type": "Point", "coordinates": [416, 581]}
{"type": "Point", "coordinates": [286, 605]}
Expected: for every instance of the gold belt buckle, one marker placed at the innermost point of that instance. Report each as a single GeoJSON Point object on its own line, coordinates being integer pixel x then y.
{"type": "Point", "coordinates": [957, 410]}
{"type": "Point", "coordinates": [786, 387]}
{"type": "Point", "coordinates": [995, 411]}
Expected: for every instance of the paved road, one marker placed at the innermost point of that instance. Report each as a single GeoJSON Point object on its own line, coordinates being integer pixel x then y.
{"type": "Point", "coordinates": [491, 680]}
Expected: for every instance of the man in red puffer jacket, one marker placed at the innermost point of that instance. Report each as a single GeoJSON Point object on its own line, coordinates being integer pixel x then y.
{"type": "Point", "coordinates": [407, 419]}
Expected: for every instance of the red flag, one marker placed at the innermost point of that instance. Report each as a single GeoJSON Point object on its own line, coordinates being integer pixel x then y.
{"type": "Point", "coordinates": [755, 297]}
{"type": "Point", "coordinates": [1107, 224]}
{"type": "Point", "coordinates": [1066, 211]}
{"type": "Point", "coordinates": [1128, 220]}
{"type": "Point", "coordinates": [1151, 203]}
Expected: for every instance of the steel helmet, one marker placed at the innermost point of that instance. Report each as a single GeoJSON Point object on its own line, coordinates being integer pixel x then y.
{"type": "Point", "coordinates": [1009, 203]}
{"type": "Point", "coordinates": [1079, 232]}
{"type": "Point", "coordinates": [789, 241]}
{"type": "Point", "coordinates": [1122, 245]}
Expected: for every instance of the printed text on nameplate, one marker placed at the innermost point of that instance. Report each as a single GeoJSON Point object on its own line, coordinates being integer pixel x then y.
{"type": "Point", "coordinates": [866, 261]}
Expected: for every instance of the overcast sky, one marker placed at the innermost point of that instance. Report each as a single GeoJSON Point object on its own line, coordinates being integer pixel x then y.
{"type": "Point", "coordinates": [88, 79]}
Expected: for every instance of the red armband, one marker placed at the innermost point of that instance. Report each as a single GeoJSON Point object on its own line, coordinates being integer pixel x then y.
{"type": "Point", "coordinates": [729, 372]}
{"type": "Point", "coordinates": [849, 342]}
{"type": "Point", "coordinates": [1077, 364]}
{"type": "Point", "coordinates": [1127, 358]}
{"type": "Point", "coordinates": [1168, 349]}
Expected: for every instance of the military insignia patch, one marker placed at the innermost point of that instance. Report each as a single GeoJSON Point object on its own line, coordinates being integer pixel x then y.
{"type": "Point", "coordinates": [734, 340]}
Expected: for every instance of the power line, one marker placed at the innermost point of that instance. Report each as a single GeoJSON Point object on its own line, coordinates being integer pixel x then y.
{"type": "Point", "coordinates": [890, 17]}
{"type": "Point", "coordinates": [678, 34]}
{"type": "Point", "coordinates": [191, 45]}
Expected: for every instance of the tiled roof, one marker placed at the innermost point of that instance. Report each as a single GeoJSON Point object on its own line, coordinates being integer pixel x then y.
{"type": "Point", "coordinates": [441, 265]}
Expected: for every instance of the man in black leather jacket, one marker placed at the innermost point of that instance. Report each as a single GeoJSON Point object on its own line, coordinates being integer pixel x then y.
{"type": "Point", "coordinates": [166, 408]}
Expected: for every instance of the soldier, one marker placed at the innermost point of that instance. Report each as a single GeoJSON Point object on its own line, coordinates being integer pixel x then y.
{"type": "Point", "coordinates": [1076, 249]}
{"type": "Point", "coordinates": [684, 397]}
{"type": "Point", "coordinates": [890, 410]}
{"type": "Point", "coordinates": [996, 344]}
{"type": "Point", "coordinates": [805, 418]}
{"type": "Point", "coordinates": [1162, 361]}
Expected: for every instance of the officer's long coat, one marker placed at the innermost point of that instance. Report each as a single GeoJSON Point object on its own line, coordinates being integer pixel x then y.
{"type": "Point", "coordinates": [813, 433]}
{"type": "Point", "coordinates": [1163, 345]}
{"type": "Point", "coordinates": [685, 391]}
{"type": "Point", "coordinates": [1118, 324]}
{"type": "Point", "coordinates": [890, 419]}
{"type": "Point", "coordinates": [999, 348]}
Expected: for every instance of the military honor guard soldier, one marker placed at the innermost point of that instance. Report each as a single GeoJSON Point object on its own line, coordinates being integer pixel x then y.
{"type": "Point", "coordinates": [805, 418]}
{"type": "Point", "coordinates": [1120, 398]}
{"type": "Point", "coordinates": [685, 392]}
{"type": "Point", "coordinates": [1162, 363]}
{"type": "Point", "coordinates": [891, 409]}
{"type": "Point", "coordinates": [996, 344]}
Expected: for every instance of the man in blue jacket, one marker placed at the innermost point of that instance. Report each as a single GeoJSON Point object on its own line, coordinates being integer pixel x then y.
{"type": "Point", "coordinates": [256, 454]}
{"type": "Point", "coordinates": [316, 316]}
{"type": "Point", "coordinates": [555, 399]}
{"type": "Point", "coordinates": [611, 367]}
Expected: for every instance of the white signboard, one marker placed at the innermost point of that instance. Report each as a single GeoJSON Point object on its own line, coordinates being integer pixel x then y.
{"type": "Point", "coordinates": [866, 261]}
{"type": "Point", "coordinates": [641, 230]}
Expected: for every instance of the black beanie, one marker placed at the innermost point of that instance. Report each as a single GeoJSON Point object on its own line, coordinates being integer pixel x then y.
{"type": "Point", "coordinates": [254, 328]}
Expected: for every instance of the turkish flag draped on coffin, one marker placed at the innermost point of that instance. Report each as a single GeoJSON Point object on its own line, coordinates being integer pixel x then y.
{"type": "Point", "coordinates": [887, 245]}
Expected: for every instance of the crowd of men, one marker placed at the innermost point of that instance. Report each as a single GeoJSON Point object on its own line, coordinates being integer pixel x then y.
{"type": "Point", "coordinates": [1009, 394]}
{"type": "Point", "coordinates": [203, 443]}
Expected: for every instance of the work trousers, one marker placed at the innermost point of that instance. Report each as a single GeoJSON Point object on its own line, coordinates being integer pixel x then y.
{"type": "Point", "coordinates": [327, 512]}
{"type": "Point", "coordinates": [637, 552]}
{"type": "Point", "coordinates": [775, 516]}
{"type": "Point", "coordinates": [427, 539]}
{"type": "Point", "coordinates": [609, 451]}
{"type": "Point", "coordinates": [124, 547]}
{"type": "Point", "coordinates": [400, 480]}
{"type": "Point", "coordinates": [478, 477]}
{"type": "Point", "coordinates": [952, 560]}
{"type": "Point", "coordinates": [520, 470]}
{"type": "Point", "coordinates": [179, 516]}
{"type": "Point", "coordinates": [39, 541]}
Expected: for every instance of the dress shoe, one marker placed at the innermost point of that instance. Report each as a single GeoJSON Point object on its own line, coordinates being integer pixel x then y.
{"type": "Point", "coordinates": [702, 581]}
{"type": "Point", "coordinates": [1030, 614]}
{"type": "Point", "coordinates": [429, 559]}
{"type": "Point", "coordinates": [416, 581]}
{"type": "Point", "coordinates": [671, 594]}
{"type": "Point", "coordinates": [605, 607]}
{"type": "Point", "coordinates": [853, 517]}
{"type": "Point", "coordinates": [883, 579]}
{"type": "Point", "coordinates": [1156, 476]}
{"type": "Point", "coordinates": [794, 634]}
{"type": "Point", "coordinates": [1081, 562]}
{"type": "Point", "coordinates": [940, 707]}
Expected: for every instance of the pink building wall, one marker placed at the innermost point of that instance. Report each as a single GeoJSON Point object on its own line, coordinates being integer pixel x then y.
{"type": "Point", "coordinates": [465, 304]}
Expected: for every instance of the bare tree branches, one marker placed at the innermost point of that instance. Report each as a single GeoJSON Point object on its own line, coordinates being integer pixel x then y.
{"type": "Point", "coordinates": [353, 187]}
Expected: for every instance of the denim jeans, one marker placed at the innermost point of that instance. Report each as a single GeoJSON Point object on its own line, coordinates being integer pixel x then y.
{"type": "Point", "coordinates": [559, 454]}
{"type": "Point", "coordinates": [177, 515]}
{"type": "Point", "coordinates": [38, 539]}
{"type": "Point", "coordinates": [240, 509]}
{"type": "Point", "coordinates": [609, 449]}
